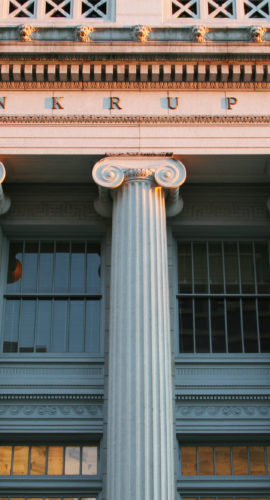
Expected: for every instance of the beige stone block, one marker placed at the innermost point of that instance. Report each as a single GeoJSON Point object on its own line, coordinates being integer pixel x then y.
{"type": "Point", "coordinates": [178, 72]}
{"type": "Point", "coordinates": [224, 72]}
{"type": "Point", "coordinates": [132, 72]}
{"type": "Point", "coordinates": [63, 72]}
{"type": "Point", "coordinates": [236, 73]}
{"type": "Point", "coordinates": [247, 72]}
{"type": "Point", "coordinates": [155, 72]}
{"type": "Point", "coordinates": [40, 72]}
{"type": "Point", "coordinates": [109, 72]}
{"type": "Point", "coordinates": [51, 72]}
{"type": "Point", "coordinates": [28, 72]}
{"type": "Point", "coordinates": [97, 72]}
{"type": "Point", "coordinates": [5, 72]}
{"type": "Point", "coordinates": [259, 72]}
{"type": "Point", "coordinates": [167, 72]}
{"type": "Point", "coordinates": [74, 72]}
{"type": "Point", "coordinates": [144, 72]}
{"type": "Point", "coordinates": [213, 71]}
{"type": "Point", "coordinates": [120, 72]}
{"type": "Point", "coordinates": [86, 68]}
{"type": "Point", "coordinates": [201, 72]}
{"type": "Point", "coordinates": [16, 71]}
{"type": "Point", "coordinates": [189, 72]}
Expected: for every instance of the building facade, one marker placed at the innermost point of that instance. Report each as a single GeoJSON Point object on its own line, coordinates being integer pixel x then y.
{"type": "Point", "coordinates": [135, 258]}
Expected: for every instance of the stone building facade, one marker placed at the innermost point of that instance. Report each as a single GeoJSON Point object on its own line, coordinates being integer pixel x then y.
{"type": "Point", "coordinates": [135, 259]}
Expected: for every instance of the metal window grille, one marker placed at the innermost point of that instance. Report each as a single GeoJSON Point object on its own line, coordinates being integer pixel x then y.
{"type": "Point", "coordinates": [22, 8]}
{"type": "Point", "coordinates": [58, 8]}
{"type": "Point", "coordinates": [52, 299]}
{"type": "Point", "coordinates": [221, 9]}
{"type": "Point", "coordinates": [25, 460]}
{"type": "Point", "coordinates": [223, 294]}
{"type": "Point", "coordinates": [94, 8]}
{"type": "Point", "coordinates": [257, 9]}
{"type": "Point", "coordinates": [185, 8]}
{"type": "Point", "coordinates": [224, 460]}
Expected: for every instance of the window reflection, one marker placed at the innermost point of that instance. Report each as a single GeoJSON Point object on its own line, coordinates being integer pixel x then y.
{"type": "Point", "coordinates": [49, 460]}
{"type": "Point", "coordinates": [53, 303]}
{"type": "Point", "coordinates": [225, 460]}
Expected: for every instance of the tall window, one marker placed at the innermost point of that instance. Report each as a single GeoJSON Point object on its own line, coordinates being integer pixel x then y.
{"type": "Point", "coordinates": [52, 297]}
{"type": "Point", "coordinates": [223, 293]}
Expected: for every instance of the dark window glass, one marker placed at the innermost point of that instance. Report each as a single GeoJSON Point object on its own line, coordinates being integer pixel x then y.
{"type": "Point", "coordinates": [223, 296]}
{"type": "Point", "coordinates": [52, 297]}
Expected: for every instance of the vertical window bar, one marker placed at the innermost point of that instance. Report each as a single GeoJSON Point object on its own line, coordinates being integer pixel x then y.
{"type": "Point", "coordinates": [225, 300]}
{"type": "Point", "coordinates": [37, 300]}
{"type": "Point", "coordinates": [29, 459]}
{"type": "Point", "coordinates": [12, 460]}
{"type": "Point", "coordinates": [214, 458]}
{"type": "Point", "coordinates": [64, 459]}
{"type": "Point", "coordinates": [248, 455]}
{"type": "Point", "coordinates": [197, 460]}
{"type": "Point", "coordinates": [20, 312]}
{"type": "Point", "coordinates": [68, 325]}
{"type": "Point", "coordinates": [46, 461]}
{"type": "Point", "coordinates": [85, 300]}
{"type": "Point", "coordinates": [81, 457]}
{"type": "Point", "coordinates": [240, 301]}
{"type": "Point", "coordinates": [265, 460]}
{"type": "Point", "coordinates": [232, 464]}
{"type": "Point", "coordinates": [193, 301]}
{"type": "Point", "coordinates": [68, 301]}
{"type": "Point", "coordinates": [256, 300]}
{"type": "Point", "coordinates": [53, 291]}
{"type": "Point", "coordinates": [209, 300]}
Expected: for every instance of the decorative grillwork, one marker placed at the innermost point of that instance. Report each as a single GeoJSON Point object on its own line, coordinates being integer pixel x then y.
{"type": "Point", "coordinates": [221, 8]}
{"type": "Point", "coordinates": [241, 11]}
{"type": "Point", "coordinates": [259, 9]}
{"type": "Point", "coordinates": [94, 8]}
{"type": "Point", "coordinates": [58, 8]}
{"type": "Point", "coordinates": [22, 8]}
{"type": "Point", "coordinates": [185, 8]}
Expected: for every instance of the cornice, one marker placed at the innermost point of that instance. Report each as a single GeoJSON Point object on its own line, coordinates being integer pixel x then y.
{"type": "Point", "coordinates": [134, 120]}
{"type": "Point", "coordinates": [210, 74]}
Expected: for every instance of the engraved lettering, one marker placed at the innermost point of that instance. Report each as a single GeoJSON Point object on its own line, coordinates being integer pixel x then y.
{"type": "Point", "coordinates": [230, 101]}
{"type": "Point", "coordinates": [3, 102]}
{"type": "Point", "coordinates": [114, 103]}
{"type": "Point", "coordinates": [56, 103]}
{"type": "Point", "coordinates": [172, 102]}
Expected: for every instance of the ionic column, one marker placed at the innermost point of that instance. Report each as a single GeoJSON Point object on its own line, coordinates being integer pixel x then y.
{"type": "Point", "coordinates": [140, 460]}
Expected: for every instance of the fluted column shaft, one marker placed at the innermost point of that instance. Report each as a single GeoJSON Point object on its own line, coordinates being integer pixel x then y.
{"type": "Point", "coordinates": [140, 464]}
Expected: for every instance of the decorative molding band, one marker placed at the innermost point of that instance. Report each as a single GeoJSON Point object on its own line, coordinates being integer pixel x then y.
{"type": "Point", "coordinates": [222, 397]}
{"type": "Point", "coordinates": [53, 411]}
{"type": "Point", "coordinates": [134, 120]}
{"type": "Point", "coordinates": [33, 34]}
{"type": "Point", "coordinates": [51, 397]}
{"type": "Point", "coordinates": [221, 411]}
{"type": "Point", "coordinates": [126, 74]}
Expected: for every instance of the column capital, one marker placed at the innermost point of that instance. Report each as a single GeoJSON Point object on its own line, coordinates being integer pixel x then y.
{"type": "Point", "coordinates": [111, 172]}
